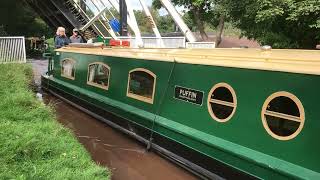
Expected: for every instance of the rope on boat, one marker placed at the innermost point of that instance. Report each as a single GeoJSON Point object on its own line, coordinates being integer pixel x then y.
{"type": "Point", "coordinates": [149, 145]}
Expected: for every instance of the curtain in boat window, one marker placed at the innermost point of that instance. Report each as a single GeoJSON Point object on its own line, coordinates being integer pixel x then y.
{"type": "Point", "coordinates": [99, 74]}
{"type": "Point", "coordinates": [91, 72]}
{"type": "Point", "coordinates": [68, 68]}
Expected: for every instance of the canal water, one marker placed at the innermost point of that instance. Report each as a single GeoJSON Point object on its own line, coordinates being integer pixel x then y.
{"type": "Point", "coordinates": [124, 156]}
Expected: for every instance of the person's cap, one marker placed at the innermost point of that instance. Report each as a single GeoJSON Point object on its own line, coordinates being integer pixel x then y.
{"type": "Point", "coordinates": [75, 30]}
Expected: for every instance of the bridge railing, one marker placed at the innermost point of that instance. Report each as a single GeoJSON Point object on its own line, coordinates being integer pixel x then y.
{"type": "Point", "coordinates": [12, 50]}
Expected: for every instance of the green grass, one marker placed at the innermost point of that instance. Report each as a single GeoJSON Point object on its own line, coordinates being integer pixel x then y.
{"type": "Point", "coordinates": [32, 144]}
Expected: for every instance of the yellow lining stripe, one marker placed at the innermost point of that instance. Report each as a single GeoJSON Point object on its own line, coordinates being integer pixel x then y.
{"type": "Point", "coordinates": [283, 116]}
{"type": "Point", "coordinates": [225, 103]}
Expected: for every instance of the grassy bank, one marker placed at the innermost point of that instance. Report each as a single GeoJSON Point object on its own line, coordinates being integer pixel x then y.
{"type": "Point", "coordinates": [32, 144]}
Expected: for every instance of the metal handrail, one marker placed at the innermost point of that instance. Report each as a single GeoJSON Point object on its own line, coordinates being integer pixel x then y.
{"type": "Point", "coordinates": [12, 50]}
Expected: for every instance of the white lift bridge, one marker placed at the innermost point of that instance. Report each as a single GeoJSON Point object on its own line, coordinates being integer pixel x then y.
{"type": "Point", "coordinates": [97, 12]}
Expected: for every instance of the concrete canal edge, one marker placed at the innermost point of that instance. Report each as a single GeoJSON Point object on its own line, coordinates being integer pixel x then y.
{"type": "Point", "coordinates": [34, 145]}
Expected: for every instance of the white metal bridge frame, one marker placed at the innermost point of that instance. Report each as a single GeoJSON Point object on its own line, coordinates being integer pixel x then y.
{"type": "Point", "coordinates": [99, 10]}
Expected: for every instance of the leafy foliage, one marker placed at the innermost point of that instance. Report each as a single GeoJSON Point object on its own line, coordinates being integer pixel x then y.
{"type": "Point", "coordinates": [144, 25]}
{"type": "Point", "coordinates": [164, 23]}
{"type": "Point", "coordinates": [279, 23]}
{"type": "Point", "coordinates": [17, 19]}
{"type": "Point", "coordinates": [202, 13]}
{"type": "Point", "coordinates": [2, 31]}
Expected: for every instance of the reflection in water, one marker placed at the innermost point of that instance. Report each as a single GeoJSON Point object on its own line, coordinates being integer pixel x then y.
{"type": "Point", "coordinates": [126, 158]}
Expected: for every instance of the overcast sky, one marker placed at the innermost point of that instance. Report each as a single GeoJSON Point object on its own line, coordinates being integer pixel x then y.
{"type": "Point", "coordinates": [136, 3]}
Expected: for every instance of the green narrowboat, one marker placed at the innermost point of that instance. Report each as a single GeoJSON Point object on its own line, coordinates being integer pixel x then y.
{"type": "Point", "coordinates": [220, 113]}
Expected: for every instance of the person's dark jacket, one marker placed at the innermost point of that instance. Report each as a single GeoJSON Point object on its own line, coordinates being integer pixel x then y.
{"type": "Point", "coordinates": [61, 41]}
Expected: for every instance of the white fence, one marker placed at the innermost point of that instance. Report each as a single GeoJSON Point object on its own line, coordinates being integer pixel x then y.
{"type": "Point", "coordinates": [154, 42]}
{"type": "Point", "coordinates": [12, 50]}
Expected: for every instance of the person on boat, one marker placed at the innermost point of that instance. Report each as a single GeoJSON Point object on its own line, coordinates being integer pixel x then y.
{"type": "Point", "coordinates": [57, 34]}
{"type": "Point", "coordinates": [61, 38]}
{"type": "Point", "coordinates": [76, 38]}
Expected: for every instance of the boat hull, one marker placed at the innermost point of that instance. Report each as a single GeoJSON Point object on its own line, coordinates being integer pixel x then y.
{"type": "Point", "coordinates": [185, 129]}
{"type": "Point", "coordinates": [201, 165]}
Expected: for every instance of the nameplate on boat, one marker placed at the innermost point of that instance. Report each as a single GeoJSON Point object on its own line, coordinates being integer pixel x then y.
{"type": "Point", "coordinates": [188, 95]}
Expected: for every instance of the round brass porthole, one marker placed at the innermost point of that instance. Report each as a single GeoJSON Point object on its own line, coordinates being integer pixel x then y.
{"type": "Point", "coordinates": [283, 115]}
{"type": "Point", "coordinates": [222, 102]}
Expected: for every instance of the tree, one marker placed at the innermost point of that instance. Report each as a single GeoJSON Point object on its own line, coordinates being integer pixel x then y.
{"type": "Point", "coordinates": [198, 10]}
{"type": "Point", "coordinates": [203, 12]}
{"type": "Point", "coordinates": [143, 22]}
{"type": "Point", "coordinates": [2, 31]}
{"type": "Point", "coordinates": [17, 19]}
{"type": "Point", "coordinates": [164, 23]}
{"type": "Point", "coordinates": [218, 18]}
{"type": "Point", "coordinates": [279, 23]}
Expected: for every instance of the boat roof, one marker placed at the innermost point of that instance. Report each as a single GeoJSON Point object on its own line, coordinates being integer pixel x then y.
{"type": "Point", "coordinates": [283, 60]}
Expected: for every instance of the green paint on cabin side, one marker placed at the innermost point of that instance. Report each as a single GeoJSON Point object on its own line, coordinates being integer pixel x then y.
{"type": "Point", "coordinates": [243, 141]}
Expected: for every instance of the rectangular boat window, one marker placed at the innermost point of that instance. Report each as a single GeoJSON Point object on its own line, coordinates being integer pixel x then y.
{"type": "Point", "coordinates": [99, 75]}
{"type": "Point", "coordinates": [141, 85]}
{"type": "Point", "coordinates": [68, 68]}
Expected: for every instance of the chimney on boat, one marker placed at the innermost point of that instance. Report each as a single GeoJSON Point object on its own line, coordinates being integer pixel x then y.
{"type": "Point", "coordinates": [123, 18]}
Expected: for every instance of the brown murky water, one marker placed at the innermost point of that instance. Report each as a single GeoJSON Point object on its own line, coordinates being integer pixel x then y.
{"type": "Point", "coordinates": [126, 158]}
